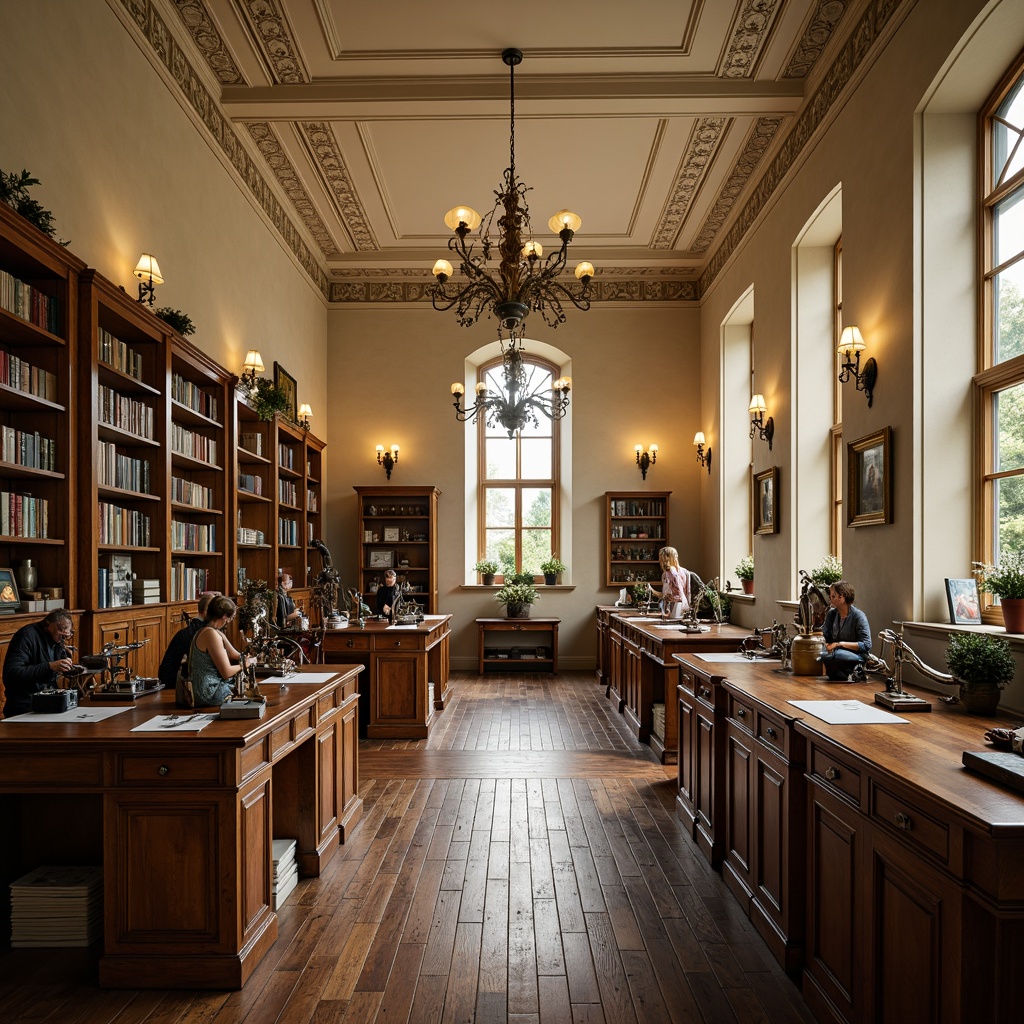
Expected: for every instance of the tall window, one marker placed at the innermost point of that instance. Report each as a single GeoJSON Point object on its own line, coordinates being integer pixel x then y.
{"type": "Point", "coordinates": [836, 433]}
{"type": "Point", "coordinates": [1000, 380]}
{"type": "Point", "coordinates": [519, 480]}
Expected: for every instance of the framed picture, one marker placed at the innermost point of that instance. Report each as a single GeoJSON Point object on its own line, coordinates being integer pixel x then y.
{"type": "Point", "coordinates": [380, 559]}
{"type": "Point", "coordinates": [869, 494]}
{"type": "Point", "coordinates": [286, 382]}
{"type": "Point", "coordinates": [390, 534]}
{"type": "Point", "coordinates": [964, 605]}
{"type": "Point", "coordinates": [766, 501]}
{"type": "Point", "coordinates": [9, 600]}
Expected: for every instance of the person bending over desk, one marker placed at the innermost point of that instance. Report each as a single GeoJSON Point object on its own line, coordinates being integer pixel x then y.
{"type": "Point", "coordinates": [177, 649]}
{"type": "Point", "coordinates": [213, 670]}
{"type": "Point", "coordinates": [847, 635]}
{"type": "Point", "coordinates": [386, 593]}
{"type": "Point", "coordinates": [35, 656]}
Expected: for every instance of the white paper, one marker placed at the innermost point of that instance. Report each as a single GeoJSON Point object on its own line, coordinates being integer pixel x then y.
{"type": "Point", "coordinates": [410, 625]}
{"type": "Point", "coordinates": [178, 723]}
{"type": "Point", "coordinates": [735, 658]}
{"type": "Point", "coordinates": [79, 714]}
{"type": "Point", "coordinates": [847, 712]}
{"type": "Point", "coordinates": [301, 677]}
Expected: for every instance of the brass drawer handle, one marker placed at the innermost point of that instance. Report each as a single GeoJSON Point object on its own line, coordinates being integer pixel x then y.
{"type": "Point", "coordinates": [163, 770]}
{"type": "Point", "coordinates": [398, 643]}
{"type": "Point", "coordinates": [705, 691]}
{"type": "Point", "coordinates": [769, 732]}
{"type": "Point", "coordinates": [903, 821]}
{"type": "Point", "coordinates": [741, 712]}
{"type": "Point", "coordinates": [517, 628]}
{"type": "Point", "coordinates": [351, 642]}
{"type": "Point", "coordinates": [831, 773]}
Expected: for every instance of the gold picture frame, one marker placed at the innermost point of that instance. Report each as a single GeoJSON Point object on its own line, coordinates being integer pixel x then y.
{"type": "Point", "coordinates": [869, 474]}
{"type": "Point", "coordinates": [286, 382]}
{"type": "Point", "coordinates": [765, 497]}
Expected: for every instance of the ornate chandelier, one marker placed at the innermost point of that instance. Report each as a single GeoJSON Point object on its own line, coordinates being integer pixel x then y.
{"type": "Point", "coordinates": [522, 281]}
{"type": "Point", "coordinates": [523, 396]}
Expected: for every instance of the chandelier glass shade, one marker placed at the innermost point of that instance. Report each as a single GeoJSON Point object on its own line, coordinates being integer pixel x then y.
{"type": "Point", "coordinates": [514, 393]}
{"type": "Point", "coordinates": [522, 279]}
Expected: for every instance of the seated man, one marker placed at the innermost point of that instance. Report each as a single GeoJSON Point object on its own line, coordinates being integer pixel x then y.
{"type": "Point", "coordinates": [177, 649]}
{"type": "Point", "coordinates": [386, 593]}
{"type": "Point", "coordinates": [287, 615]}
{"type": "Point", "coordinates": [35, 656]}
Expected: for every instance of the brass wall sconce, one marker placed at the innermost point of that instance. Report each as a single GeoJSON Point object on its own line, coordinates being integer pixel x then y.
{"type": "Point", "coordinates": [252, 368]}
{"type": "Point", "coordinates": [703, 454]}
{"type": "Point", "coordinates": [387, 459]}
{"type": "Point", "coordinates": [851, 344]}
{"type": "Point", "coordinates": [646, 459]}
{"type": "Point", "coordinates": [305, 415]}
{"type": "Point", "coordinates": [764, 428]}
{"type": "Point", "coordinates": [148, 273]}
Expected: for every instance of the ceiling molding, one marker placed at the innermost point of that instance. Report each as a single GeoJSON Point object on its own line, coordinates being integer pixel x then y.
{"type": "Point", "coordinates": [750, 33]}
{"type": "Point", "coordinates": [815, 38]}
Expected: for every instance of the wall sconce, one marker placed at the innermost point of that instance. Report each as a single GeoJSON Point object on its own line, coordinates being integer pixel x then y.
{"type": "Point", "coordinates": [765, 429]}
{"type": "Point", "coordinates": [387, 459]}
{"type": "Point", "coordinates": [646, 459]}
{"type": "Point", "coordinates": [305, 415]}
{"type": "Point", "coordinates": [851, 343]}
{"type": "Point", "coordinates": [703, 456]}
{"type": "Point", "coordinates": [251, 368]}
{"type": "Point", "coordinates": [148, 273]}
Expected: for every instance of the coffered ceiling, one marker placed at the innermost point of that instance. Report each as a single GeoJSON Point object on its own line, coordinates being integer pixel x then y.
{"type": "Point", "coordinates": [654, 120]}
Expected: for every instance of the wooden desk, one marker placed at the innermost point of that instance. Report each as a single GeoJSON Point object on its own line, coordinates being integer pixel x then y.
{"type": "Point", "coordinates": [183, 824]}
{"type": "Point", "coordinates": [522, 631]}
{"type": "Point", "coordinates": [402, 661]}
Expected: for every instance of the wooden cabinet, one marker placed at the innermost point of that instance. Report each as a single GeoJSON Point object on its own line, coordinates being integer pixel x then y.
{"type": "Point", "coordinates": [397, 528]}
{"type": "Point", "coordinates": [636, 528]}
{"type": "Point", "coordinates": [519, 645]}
{"type": "Point", "coordinates": [146, 625]}
{"type": "Point", "coordinates": [254, 506]}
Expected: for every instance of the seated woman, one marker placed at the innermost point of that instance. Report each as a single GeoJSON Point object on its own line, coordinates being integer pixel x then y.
{"type": "Point", "coordinates": [212, 668]}
{"type": "Point", "coordinates": [847, 635]}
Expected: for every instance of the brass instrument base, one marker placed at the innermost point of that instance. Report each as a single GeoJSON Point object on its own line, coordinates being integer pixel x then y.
{"type": "Point", "coordinates": [902, 702]}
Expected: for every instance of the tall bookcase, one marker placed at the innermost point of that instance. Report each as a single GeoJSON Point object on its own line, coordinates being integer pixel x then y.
{"type": "Point", "coordinates": [255, 516]}
{"type": "Point", "coordinates": [636, 528]}
{"type": "Point", "coordinates": [398, 529]}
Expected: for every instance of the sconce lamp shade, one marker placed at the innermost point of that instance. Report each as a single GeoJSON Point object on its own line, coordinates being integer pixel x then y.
{"type": "Point", "coordinates": [305, 412]}
{"type": "Point", "coordinates": [462, 215]}
{"type": "Point", "coordinates": [584, 271]}
{"type": "Point", "coordinates": [458, 389]}
{"type": "Point", "coordinates": [698, 438]}
{"type": "Point", "coordinates": [387, 459]}
{"type": "Point", "coordinates": [703, 457]}
{"type": "Point", "coordinates": [645, 459]}
{"type": "Point", "coordinates": [757, 406]}
{"type": "Point", "coordinates": [148, 269]}
{"type": "Point", "coordinates": [533, 249]}
{"type": "Point", "coordinates": [851, 341]}
{"type": "Point", "coordinates": [253, 362]}
{"type": "Point", "coordinates": [442, 268]}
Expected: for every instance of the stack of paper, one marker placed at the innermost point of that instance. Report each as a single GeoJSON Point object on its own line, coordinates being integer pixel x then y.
{"type": "Point", "coordinates": [286, 870]}
{"type": "Point", "coordinates": [57, 906]}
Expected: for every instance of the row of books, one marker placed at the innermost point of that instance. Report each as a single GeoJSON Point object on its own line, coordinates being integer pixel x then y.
{"type": "Point", "coordinates": [251, 443]}
{"type": "Point", "coordinates": [250, 483]}
{"type": "Point", "coordinates": [311, 500]}
{"type": "Point", "coordinates": [248, 536]}
{"type": "Point", "coordinates": [30, 450]}
{"type": "Point", "coordinates": [123, 526]}
{"type": "Point", "coordinates": [286, 456]}
{"type": "Point", "coordinates": [186, 393]}
{"type": "Point", "coordinates": [125, 413]}
{"type": "Point", "coordinates": [29, 303]}
{"type": "Point", "coordinates": [21, 375]}
{"type": "Point", "coordinates": [116, 470]}
{"type": "Point", "coordinates": [288, 532]}
{"type": "Point", "coordinates": [22, 515]}
{"type": "Point", "coordinates": [188, 583]}
{"type": "Point", "coordinates": [117, 354]}
{"type": "Point", "coordinates": [193, 445]}
{"type": "Point", "coordinates": [187, 492]}
{"type": "Point", "coordinates": [287, 492]}
{"type": "Point", "coordinates": [193, 536]}
{"type": "Point", "coordinates": [648, 507]}
{"type": "Point", "coordinates": [145, 591]}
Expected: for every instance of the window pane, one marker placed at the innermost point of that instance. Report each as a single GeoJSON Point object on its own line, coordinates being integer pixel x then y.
{"type": "Point", "coordinates": [501, 548]}
{"type": "Point", "coordinates": [500, 506]}
{"type": "Point", "coordinates": [536, 458]}
{"type": "Point", "coordinates": [536, 549]}
{"type": "Point", "coordinates": [1009, 500]}
{"type": "Point", "coordinates": [1008, 227]}
{"type": "Point", "coordinates": [537, 506]}
{"type": "Point", "coordinates": [500, 457]}
{"type": "Point", "coordinates": [1004, 138]}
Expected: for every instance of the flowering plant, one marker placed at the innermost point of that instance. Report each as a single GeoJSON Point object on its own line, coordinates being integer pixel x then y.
{"type": "Point", "coordinates": [828, 571]}
{"type": "Point", "coordinates": [1006, 579]}
{"type": "Point", "coordinates": [745, 567]}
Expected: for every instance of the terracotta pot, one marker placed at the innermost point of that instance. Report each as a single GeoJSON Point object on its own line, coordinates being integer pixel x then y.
{"type": "Point", "coordinates": [748, 586]}
{"type": "Point", "coordinates": [804, 654]}
{"type": "Point", "coordinates": [980, 700]}
{"type": "Point", "coordinates": [1013, 614]}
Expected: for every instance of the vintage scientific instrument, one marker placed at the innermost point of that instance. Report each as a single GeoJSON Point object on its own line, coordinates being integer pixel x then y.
{"type": "Point", "coordinates": [247, 701]}
{"type": "Point", "coordinates": [112, 676]}
{"type": "Point", "coordinates": [895, 697]}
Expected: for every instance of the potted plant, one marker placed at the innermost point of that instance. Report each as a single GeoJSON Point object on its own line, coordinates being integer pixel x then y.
{"type": "Point", "coordinates": [1006, 581]}
{"type": "Point", "coordinates": [983, 665]}
{"type": "Point", "coordinates": [745, 571]}
{"type": "Point", "coordinates": [487, 569]}
{"type": "Point", "coordinates": [517, 594]}
{"type": "Point", "coordinates": [641, 594]}
{"type": "Point", "coordinates": [266, 398]}
{"type": "Point", "coordinates": [551, 568]}
{"type": "Point", "coordinates": [181, 322]}
{"type": "Point", "coordinates": [828, 571]}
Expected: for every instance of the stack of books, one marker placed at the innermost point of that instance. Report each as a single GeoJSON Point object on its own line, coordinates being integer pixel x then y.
{"type": "Point", "coordinates": [145, 591]}
{"type": "Point", "coordinates": [286, 870]}
{"type": "Point", "coordinates": [57, 906]}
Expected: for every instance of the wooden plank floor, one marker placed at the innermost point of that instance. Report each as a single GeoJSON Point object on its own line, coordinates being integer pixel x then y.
{"type": "Point", "coordinates": [522, 864]}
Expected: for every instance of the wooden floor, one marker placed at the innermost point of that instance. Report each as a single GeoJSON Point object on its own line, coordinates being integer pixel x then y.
{"type": "Point", "coordinates": [524, 863]}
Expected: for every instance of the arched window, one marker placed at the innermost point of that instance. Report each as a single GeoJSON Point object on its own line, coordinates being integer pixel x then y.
{"type": "Point", "coordinates": [518, 478]}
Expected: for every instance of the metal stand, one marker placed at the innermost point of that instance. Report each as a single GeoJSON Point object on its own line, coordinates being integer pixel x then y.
{"type": "Point", "coordinates": [904, 701]}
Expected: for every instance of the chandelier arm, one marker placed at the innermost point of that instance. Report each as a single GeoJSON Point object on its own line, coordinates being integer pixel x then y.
{"type": "Point", "coordinates": [580, 301]}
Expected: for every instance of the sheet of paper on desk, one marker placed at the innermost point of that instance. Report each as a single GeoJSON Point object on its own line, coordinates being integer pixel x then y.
{"type": "Point", "coordinates": [301, 677]}
{"type": "Point", "coordinates": [177, 723]}
{"type": "Point", "coordinates": [72, 715]}
{"type": "Point", "coordinates": [847, 712]}
{"type": "Point", "coordinates": [736, 658]}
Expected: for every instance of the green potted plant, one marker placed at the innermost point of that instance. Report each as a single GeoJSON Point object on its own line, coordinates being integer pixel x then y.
{"type": "Point", "coordinates": [1006, 581]}
{"type": "Point", "coordinates": [487, 569]}
{"type": "Point", "coordinates": [181, 322]}
{"type": "Point", "coordinates": [745, 571]}
{"type": "Point", "coordinates": [551, 568]}
{"type": "Point", "coordinates": [517, 594]}
{"type": "Point", "coordinates": [828, 571]}
{"type": "Point", "coordinates": [641, 594]}
{"type": "Point", "coordinates": [983, 665]}
{"type": "Point", "coordinates": [266, 398]}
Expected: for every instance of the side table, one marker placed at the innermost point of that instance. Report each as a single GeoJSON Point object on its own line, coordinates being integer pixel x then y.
{"type": "Point", "coordinates": [522, 641]}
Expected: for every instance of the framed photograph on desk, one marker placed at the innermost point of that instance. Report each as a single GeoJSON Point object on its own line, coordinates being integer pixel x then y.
{"type": "Point", "coordinates": [381, 559]}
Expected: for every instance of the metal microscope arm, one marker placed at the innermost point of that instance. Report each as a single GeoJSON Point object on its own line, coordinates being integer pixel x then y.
{"type": "Point", "coordinates": [903, 652]}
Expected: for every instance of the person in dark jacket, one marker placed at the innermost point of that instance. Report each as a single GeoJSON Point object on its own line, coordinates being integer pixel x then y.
{"type": "Point", "coordinates": [386, 593]}
{"type": "Point", "coordinates": [288, 614]}
{"type": "Point", "coordinates": [35, 656]}
{"type": "Point", "coordinates": [847, 636]}
{"type": "Point", "coordinates": [177, 649]}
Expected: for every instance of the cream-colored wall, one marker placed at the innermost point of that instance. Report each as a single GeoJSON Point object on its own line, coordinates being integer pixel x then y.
{"type": "Point", "coordinates": [124, 171]}
{"type": "Point", "coordinates": [636, 380]}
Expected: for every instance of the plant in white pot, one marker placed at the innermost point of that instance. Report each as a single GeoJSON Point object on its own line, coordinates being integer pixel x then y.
{"type": "Point", "coordinates": [517, 594]}
{"type": "Point", "coordinates": [745, 572]}
{"type": "Point", "coordinates": [487, 569]}
{"type": "Point", "coordinates": [983, 664]}
{"type": "Point", "coordinates": [1006, 581]}
{"type": "Point", "coordinates": [551, 568]}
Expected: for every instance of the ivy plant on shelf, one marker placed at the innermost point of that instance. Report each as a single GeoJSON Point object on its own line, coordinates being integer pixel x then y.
{"type": "Point", "coordinates": [181, 322]}
{"type": "Point", "coordinates": [266, 398]}
{"type": "Point", "coordinates": [14, 192]}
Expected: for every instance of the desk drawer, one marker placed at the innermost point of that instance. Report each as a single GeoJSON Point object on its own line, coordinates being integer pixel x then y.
{"type": "Point", "coordinates": [772, 732]}
{"type": "Point", "coordinates": [705, 693]}
{"type": "Point", "coordinates": [362, 642]}
{"type": "Point", "coordinates": [742, 713]}
{"type": "Point", "coordinates": [835, 775]}
{"type": "Point", "coordinates": [910, 823]}
{"type": "Point", "coordinates": [173, 770]}
{"type": "Point", "coordinates": [410, 642]}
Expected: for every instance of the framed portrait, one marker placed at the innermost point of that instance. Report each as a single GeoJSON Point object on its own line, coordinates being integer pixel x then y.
{"type": "Point", "coordinates": [964, 604]}
{"type": "Point", "coordinates": [766, 501]}
{"type": "Point", "coordinates": [286, 382]}
{"type": "Point", "coordinates": [380, 559]}
{"type": "Point", "coordinates": [869, 466]}
{"type": "Point", "coordinates": [9, 600]}
{"type": "Point", "coordinates": [390, 534]}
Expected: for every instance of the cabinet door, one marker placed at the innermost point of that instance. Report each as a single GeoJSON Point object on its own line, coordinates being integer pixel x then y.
{"type": "Point", "coordinates": [616, 686]}
{"type": "Point", "coordinates": [705, 784]}
{"type": "Point", "coordinates": [399, 693]}
{"type": "Point", "coordinates": [113, 631]}
{"type": "Point", "coordinates": [150, 628]}
{"type": "Point", "coordinates": [685, 799]}
{"type": "Point", "coordinates": [738, 854]}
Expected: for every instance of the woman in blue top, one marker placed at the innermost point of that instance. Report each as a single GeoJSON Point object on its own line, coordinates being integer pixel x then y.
{"type": "Point", "coordinates": [211, 665]}
{"type": "Point", "coordinates": [847, 635]}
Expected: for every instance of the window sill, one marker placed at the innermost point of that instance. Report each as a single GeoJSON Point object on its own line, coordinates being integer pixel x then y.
{"type": "Point", "coordinates": [542, 588]}
{"type": "Point", "coordinates": [945, 628]}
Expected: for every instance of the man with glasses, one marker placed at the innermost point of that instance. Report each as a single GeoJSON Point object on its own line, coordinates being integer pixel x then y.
{"type": "Point", "coordinates": [35, 656]}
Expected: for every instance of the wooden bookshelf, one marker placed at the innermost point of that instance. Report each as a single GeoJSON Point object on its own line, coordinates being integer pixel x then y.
{"type": "Point", "coordinates": [636, 528]}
